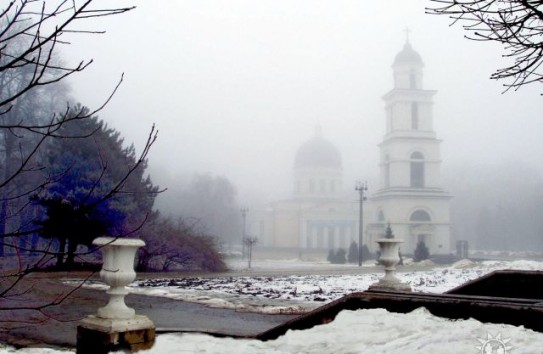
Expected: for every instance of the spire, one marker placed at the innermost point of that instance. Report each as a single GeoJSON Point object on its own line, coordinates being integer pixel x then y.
{"type": "Point", "coordinates": [407, 30]}
{"type": "Point", "coordinates": [318, 131]}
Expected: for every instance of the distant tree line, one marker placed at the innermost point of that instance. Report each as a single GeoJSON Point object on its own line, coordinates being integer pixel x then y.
{"type": "Point", "coordinates": [502, 215]}
{"type": "Point", "coordinates": [211, 200]}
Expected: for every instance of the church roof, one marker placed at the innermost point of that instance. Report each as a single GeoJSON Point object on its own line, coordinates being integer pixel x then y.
{"type": "Point", "coordinates": [408, 56]}
{"type": "Point", "coordinates": [317, 152]}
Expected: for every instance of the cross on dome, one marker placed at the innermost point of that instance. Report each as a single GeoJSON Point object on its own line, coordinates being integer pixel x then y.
{"type": "Point", "coordinates": [407, 31]}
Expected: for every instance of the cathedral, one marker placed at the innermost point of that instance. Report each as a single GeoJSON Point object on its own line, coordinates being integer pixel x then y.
{"type": "Point", "coordinates": [318, 217]}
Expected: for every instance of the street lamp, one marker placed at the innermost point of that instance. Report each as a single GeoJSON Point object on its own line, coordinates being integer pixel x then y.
{"type": "Point", "coordinates": [361, 187]}
{"type": "Point", "coordinates": [244, 216]}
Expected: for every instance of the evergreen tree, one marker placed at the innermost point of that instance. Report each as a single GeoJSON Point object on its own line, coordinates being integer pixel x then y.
{"type": "Point", "coordinates": [340, 256]}
{"type": "Point", "coordinates": [352, 256]}
{"type": "Point", "coordinates": [98, 189]}
{"type": "Point", "coordinates": [337, 257]}
{"type": "Point", "coordinates": [421, 252]}
{"type": "Point", "coordinates": [388, 232]}
{"type": "Point", "coordinates": [366, 254]}
{"type": "Point", "coordinates": [331, 256]}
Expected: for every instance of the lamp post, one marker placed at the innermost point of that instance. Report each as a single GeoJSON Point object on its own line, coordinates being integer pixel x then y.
{"type": "Point", "coordinates": [361, 187]}
{"type": "Point", "coordinates": [243, 235]}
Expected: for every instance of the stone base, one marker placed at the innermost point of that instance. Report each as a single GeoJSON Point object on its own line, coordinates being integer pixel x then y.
{"type": "Point", "coordinates": [390, 286]}
{"type": "Point", "coordinates": [97, 335]}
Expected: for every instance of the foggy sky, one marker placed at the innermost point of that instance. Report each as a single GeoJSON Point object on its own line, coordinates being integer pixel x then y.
{"type": "Point", "coordinates": [235, 87]}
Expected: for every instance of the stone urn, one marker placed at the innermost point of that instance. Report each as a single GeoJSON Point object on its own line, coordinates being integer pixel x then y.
{"type": "Point", "coordinates": [117, 272]}
{"type": "Point", "coordinates": [390, 257]}
{"type": "Point", "coordinates": [116, 327]}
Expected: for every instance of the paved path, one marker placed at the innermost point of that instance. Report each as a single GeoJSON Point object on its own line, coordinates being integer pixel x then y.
{"type": "Point", "coordinates": [60, 328]}
{"type": "Point", "coordinates": [61, 320]}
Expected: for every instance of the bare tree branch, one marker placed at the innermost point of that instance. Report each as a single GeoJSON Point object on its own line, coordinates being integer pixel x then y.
{"type": "Point", "coordinates": [31, 34]}
{"type": "Point", "coordinates": [516, 24]}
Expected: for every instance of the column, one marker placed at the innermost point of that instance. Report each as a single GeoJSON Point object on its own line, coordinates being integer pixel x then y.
{"type": "Point", "coordinates": [303, 235]}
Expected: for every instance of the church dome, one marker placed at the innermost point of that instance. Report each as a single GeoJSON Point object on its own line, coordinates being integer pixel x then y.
{"type": "Point", "coordinates": [408, 56]}
{"type": "Point", "coordinates": [317, 152]}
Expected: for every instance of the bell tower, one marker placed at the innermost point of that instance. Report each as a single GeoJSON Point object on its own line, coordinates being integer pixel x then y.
{"type": "Point", "coordinates": [410, 195]}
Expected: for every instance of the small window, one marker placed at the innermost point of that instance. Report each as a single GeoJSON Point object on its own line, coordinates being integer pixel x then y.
{"type": "Point", "coordinates": [381, 216]}
{"type": "Point", "coordinates": [417, 170]}
{"type": "Point", "coordinates": [311, 186]}
{"type": "Point", "coordinates": [322, 186]}
{"type": "Point", "coordinates": [414, 116]}
{"type": "Point", "coordinates": [412, 79]}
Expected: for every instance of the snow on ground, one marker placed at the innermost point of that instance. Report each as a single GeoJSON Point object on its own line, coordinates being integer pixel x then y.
{"type": "Point", "coordinates": [372, 331]}
{"type": "Point", "coordinates": [361, 331]}
{"type": "Point", "coordinates": [295, 294]}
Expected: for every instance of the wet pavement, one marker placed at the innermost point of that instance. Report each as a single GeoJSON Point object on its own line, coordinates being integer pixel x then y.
{"type": "Point", "coordinates": [60, 326]}
{"type": "Point", "coordinates": [57, 325]}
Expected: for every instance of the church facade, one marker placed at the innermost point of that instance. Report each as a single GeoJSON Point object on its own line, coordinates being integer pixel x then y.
{"type": "Point", "coordinates": [317, 217]}
{"type": "Point", "coordinates": [410, 198]}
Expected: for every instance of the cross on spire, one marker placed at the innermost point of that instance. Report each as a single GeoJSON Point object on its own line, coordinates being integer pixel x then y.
{"type": "Point", "coordinates": [407, 31]}
{"type": "Point", "coordinates": [318, 130]}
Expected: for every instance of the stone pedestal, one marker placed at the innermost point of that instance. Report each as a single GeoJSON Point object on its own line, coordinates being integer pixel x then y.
{"type": "Point", "coordinates": [116, 326]}
{"type": "Point", "coordinates": [97, 335]}
{"type": "Point", "coordinates": [389, 248]}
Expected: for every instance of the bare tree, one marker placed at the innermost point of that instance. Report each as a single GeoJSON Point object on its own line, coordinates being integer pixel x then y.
{"type": "Point", "coordinates": [249, 242]}
{"type": "Point", "coordinates": [45, 24]}
{"type": "Point", "coordinates": [31, 33]}
{"type": "Point", "coordinates": [177, 245]}
{"type": "Point", "coordinates": [516, 24]}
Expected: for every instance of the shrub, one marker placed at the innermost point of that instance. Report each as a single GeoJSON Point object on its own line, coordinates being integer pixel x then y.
{"type": "Point", "coordinates": [340, 256]}
{"type": "Point", "coordinates": [352, 256]}
{"type": "Point", "coordinates": [331, 256]}
{"type": "Point", "coordinates": [366, 254]}
{"type": "Point", "coordinates": [421, 252]}
{"type": "Point", "coordinates": [337, 257]}
{"type": "Point", "coordinates": [176, 246]}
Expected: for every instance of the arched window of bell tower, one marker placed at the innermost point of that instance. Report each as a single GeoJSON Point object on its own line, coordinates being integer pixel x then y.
{"type": "Point", "coordinates": [417, 170]}
{"type": "Point", "coordinates": [412, 79]}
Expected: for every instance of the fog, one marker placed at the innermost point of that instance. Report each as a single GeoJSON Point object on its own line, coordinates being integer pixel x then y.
{"type": "Point", "coordinates": [235, 87]}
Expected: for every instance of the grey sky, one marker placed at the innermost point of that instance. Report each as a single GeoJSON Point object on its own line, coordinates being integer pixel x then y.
{"type": "Point", "coordinates": [236, 86]}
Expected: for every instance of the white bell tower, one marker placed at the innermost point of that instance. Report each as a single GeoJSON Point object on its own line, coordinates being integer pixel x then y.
{"type": "Point", "coordinates": [410, 195]}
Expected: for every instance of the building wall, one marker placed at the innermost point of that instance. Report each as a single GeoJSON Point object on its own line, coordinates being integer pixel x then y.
{"type": "Point", "coordinates": [397, 211]}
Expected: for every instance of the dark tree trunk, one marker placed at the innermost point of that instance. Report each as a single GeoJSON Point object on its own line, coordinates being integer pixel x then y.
{"type": "Point", "coordinates": [72, 248]}
{"type": "Point", "coordinates": [61, 250]}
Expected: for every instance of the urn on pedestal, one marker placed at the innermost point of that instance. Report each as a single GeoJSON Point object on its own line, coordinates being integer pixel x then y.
{"type": "Point", "coordinates": [116, 326]}
{"type": "Point", "coordinates": [390, 257]}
